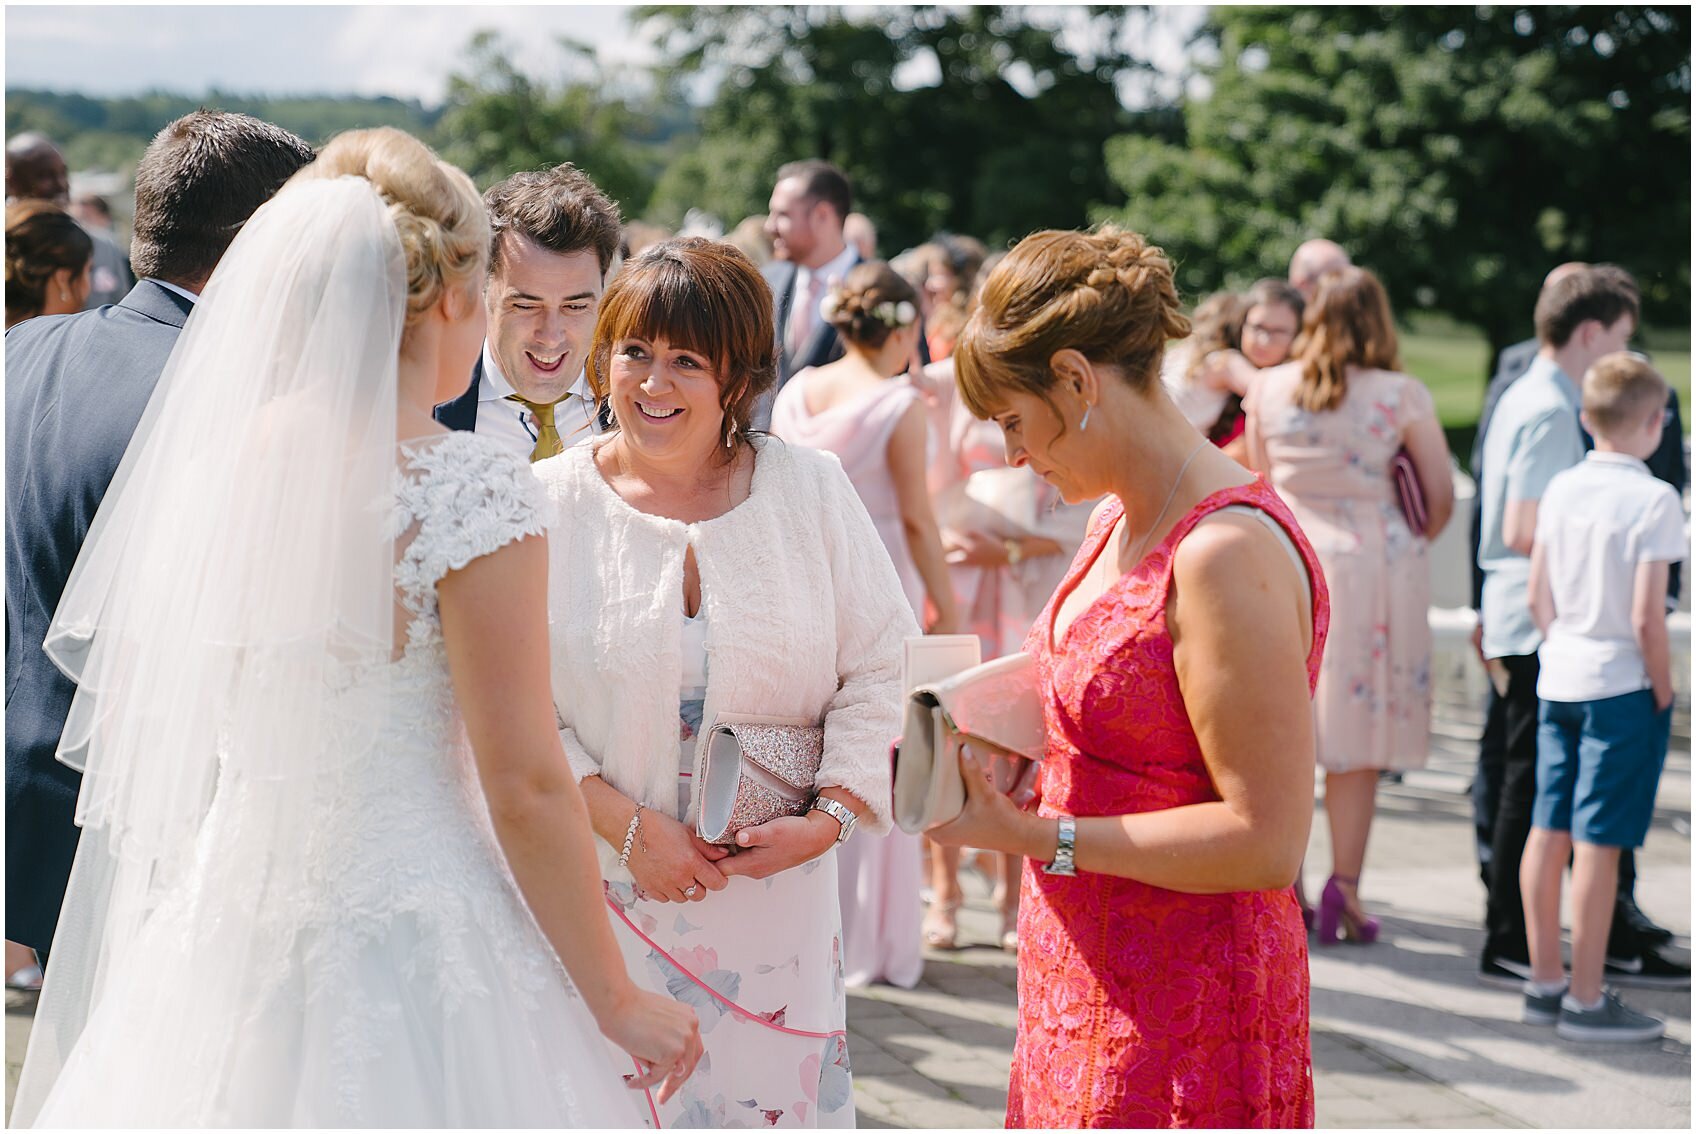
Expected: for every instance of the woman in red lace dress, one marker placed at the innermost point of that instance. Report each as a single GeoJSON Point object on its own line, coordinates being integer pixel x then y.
{"type": "Point", "coordinates": [1165, 982]}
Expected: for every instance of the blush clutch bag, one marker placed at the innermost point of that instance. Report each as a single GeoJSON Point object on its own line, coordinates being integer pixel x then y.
{"type": "Point", "coordinates": [994, 707]}
{"type": "Point", "coordinates": [756, 770]}
{"type": "Point", "coordinates": [1410, 495]}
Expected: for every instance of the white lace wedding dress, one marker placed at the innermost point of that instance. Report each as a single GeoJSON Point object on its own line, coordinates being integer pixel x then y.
{"type": "Point", "coordinates": [398, 978]}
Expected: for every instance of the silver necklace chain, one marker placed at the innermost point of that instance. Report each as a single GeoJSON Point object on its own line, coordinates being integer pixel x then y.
{"type": "Point", "coordinates": [1170, 496]}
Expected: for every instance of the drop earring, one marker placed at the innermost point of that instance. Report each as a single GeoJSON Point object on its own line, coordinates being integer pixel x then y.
{"type": "Point", "coordinates": [1084, 424]}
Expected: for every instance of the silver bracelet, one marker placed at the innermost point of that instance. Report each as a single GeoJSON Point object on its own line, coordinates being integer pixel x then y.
{"type": "Point", "coordinates": [630, 837]}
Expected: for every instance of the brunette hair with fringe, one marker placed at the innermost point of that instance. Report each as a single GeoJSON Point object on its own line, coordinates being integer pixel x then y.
{"type": "Point", "coordinates": [1108, 294]}
{"type": "Point", "coordinates": [702, 295]}
{"type": "Point", "coordinates": [1347, 324]}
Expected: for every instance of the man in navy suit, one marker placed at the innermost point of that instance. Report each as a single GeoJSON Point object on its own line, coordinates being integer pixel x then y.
{"type": "Point", "coordinates": [554, 237]}
{"type": "Point", "coordinates": [76, 386]}
{"type": "Point", "coordinates": [809, 205]}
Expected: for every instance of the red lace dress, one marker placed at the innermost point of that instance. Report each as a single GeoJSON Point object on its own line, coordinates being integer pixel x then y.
{"type": "Point", "coordinates": [1140, 1006]}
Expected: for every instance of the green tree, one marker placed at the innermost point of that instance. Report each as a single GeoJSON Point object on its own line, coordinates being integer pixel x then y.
{"type": "Point", "coordinates": [1006, 139]}
{"type": "Point", "coordinates": [1459, 152]}
{"type": "Point", "coordinates": [497, 120]}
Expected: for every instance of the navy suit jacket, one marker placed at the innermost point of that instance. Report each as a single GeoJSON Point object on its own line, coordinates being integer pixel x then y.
{"type": "Point", "coordinates": [822, 346]}
{"type": "Point", "coordinates": [461, 412]}
{"type": "Point", "coordinates": [76, 386]}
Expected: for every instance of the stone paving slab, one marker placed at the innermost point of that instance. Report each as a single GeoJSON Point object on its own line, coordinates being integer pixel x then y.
{"type": "Point", "coordinates": [1403, 1034]}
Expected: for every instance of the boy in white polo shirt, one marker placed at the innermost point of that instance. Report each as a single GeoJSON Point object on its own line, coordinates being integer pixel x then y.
{"type": "Point", "coordinates": [1606, 532]}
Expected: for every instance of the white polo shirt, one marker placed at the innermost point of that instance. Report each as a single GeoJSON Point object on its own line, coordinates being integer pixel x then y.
{"type": "Point", "coordinates": [512, 424]}
{"type": "Point", "coordinates": [1597, 522]}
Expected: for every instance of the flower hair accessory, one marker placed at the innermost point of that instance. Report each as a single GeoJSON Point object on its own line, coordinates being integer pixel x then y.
{"type": "Point", "coordinates": [888, 313]}
{"type": "Point", "coordinates": [895, 314]}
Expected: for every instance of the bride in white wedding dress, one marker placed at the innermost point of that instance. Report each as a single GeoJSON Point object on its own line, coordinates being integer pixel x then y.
{"type": "Point", "coordinates": [332, 856]}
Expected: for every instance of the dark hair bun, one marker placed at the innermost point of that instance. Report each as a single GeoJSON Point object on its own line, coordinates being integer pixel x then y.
{"type": "Point", "coordinates": [871, 303]}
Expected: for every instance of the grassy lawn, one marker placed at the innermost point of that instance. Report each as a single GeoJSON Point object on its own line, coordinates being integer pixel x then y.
{"type": "Point", "coordinates": [1453, 360]}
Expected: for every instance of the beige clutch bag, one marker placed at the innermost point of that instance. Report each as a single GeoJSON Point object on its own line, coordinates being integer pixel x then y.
{"type": "Point", "coordinates": [994, 707]}
{"type": "Point", "coordinates": [756, 770]}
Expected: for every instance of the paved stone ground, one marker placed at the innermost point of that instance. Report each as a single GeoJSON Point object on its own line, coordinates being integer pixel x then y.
{"type": "Point", "coordinates": [1403, 1035]}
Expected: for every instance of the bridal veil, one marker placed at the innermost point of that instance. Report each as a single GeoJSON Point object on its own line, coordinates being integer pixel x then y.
{"type": "Point", "coordinates": [231, 618]}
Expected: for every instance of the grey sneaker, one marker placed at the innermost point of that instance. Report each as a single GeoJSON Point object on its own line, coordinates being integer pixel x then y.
{"type": "Point", "coordinates": [1541, 1009]}
{"type": "Point", "coordinates": [1610, 1022]}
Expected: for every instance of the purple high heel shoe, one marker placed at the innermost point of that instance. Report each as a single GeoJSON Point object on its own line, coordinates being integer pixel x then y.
{"type": "Point", "coordinates": [1336, 923]}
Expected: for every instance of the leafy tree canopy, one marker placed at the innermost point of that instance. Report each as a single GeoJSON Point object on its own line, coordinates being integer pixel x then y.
{"type": "Point", "coordinates": [1460, 152]}
{"type": "Point", "coordinates": [1006, 136]}
{"type": "Point", "coordinates": [497, 120]}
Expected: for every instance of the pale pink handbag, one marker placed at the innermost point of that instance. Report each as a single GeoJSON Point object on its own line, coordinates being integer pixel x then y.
{"type": "Point", "coordinates": [995, 708]}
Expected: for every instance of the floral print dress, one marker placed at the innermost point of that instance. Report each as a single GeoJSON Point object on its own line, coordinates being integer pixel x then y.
{"type": "Point", "coordinates": [1373, 708]}
{"type": "Point", "coordinates": [760, 962]}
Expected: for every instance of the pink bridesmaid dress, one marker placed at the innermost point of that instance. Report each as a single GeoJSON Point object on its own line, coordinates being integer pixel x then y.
{"type": "Point", "coordinates": [879, 877]}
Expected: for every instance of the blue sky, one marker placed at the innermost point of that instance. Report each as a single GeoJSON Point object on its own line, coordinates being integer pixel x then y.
{"type": "Point", "coordinates": [406, 51]}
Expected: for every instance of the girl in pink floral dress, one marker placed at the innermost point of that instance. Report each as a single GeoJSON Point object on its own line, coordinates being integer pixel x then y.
{"type": "Point", "coordinates": [1163, 974]}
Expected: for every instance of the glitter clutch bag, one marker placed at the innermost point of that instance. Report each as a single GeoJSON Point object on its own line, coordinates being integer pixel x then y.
{"type": "Point", "coordinates": [756, 770]}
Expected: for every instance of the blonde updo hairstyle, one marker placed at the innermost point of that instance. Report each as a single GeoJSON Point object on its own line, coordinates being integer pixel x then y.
{"type": "Point", "coordinates": [865, 289]}
{"type": "Point", "coordinates": [444, 229]}
{"type": "Point", "coordinates": [1106, 294]}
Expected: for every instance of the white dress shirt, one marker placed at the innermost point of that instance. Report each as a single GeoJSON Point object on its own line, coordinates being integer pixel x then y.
{"type": "Point", "coordinates": [511, 423]}
{"type": "Point", "coordinates": [182, 291]}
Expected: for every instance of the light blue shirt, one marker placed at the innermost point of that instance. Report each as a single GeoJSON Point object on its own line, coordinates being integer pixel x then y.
{"type": "Point", "coordinates": [1533, 435]}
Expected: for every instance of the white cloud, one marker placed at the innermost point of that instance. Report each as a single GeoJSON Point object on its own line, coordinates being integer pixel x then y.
{"type": "Point", "coordinates": [407, 51]}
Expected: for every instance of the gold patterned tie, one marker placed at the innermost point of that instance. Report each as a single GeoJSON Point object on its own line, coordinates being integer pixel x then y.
{"type": "Point", "coordinates": [548, 443]}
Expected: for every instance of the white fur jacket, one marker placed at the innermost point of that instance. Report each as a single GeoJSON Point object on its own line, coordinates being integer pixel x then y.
{"type": "Point", "coordinates": [805, 618]}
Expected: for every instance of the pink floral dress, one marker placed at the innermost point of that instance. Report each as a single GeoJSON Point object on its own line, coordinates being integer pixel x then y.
{"type": "Point", "coordinates": [1140, 1006]}
{"type": "Point", "coordinates": [1373, 707]}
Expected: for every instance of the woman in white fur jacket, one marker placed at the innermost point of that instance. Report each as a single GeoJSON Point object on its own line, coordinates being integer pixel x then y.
{"type": "Point", "coordinates": [695, 571]}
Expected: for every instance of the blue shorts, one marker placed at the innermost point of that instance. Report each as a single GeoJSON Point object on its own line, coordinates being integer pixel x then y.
{"type": "Point", "coordinates": [1598, 765]}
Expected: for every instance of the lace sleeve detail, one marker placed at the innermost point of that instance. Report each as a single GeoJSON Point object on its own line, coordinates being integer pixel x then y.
{"type": "Point", "coordinates": [465, 496]}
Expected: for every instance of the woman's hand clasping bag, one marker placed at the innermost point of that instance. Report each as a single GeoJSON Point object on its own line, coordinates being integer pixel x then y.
{"type": "Point", "coordinates": [994, 707]}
